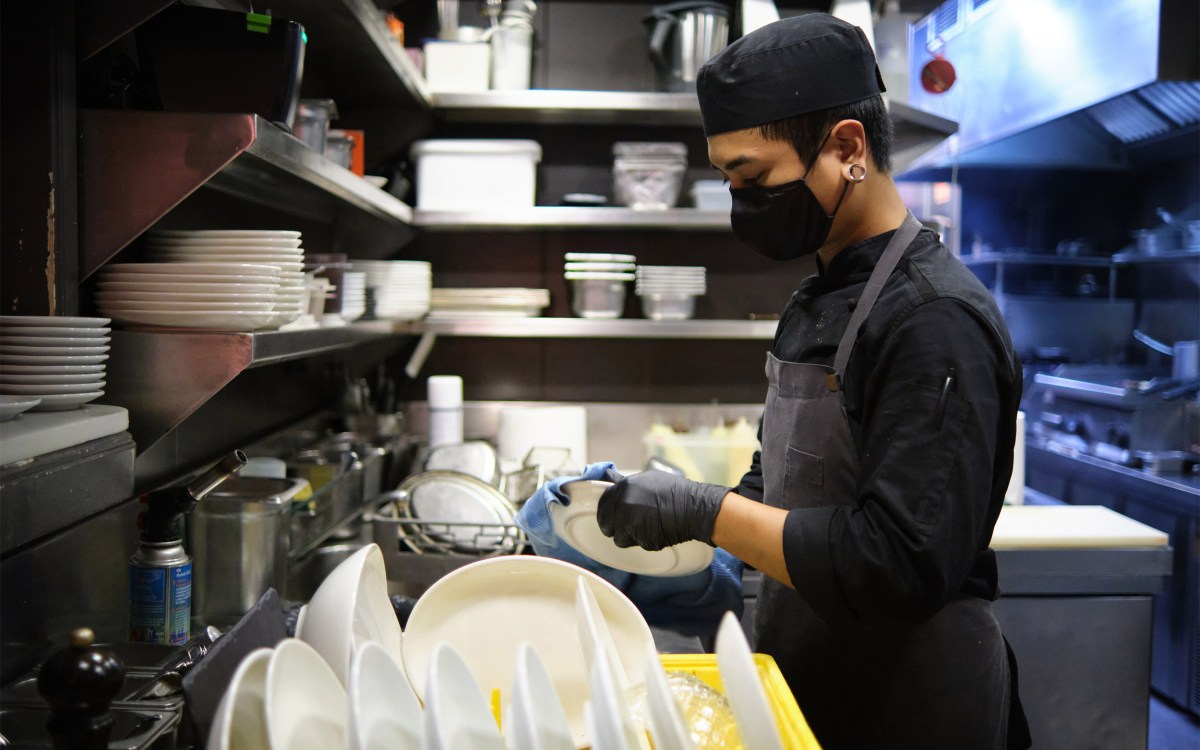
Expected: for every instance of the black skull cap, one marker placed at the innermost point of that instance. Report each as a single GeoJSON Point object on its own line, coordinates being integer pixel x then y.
{"type": "Point", "coordinates": [787, 68]}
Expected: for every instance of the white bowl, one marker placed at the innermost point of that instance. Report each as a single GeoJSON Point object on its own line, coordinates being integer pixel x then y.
{"type": "Point", "coordinates": [351, 607]}
{"type": "Point", "coordinates": [241, 720]}
{"type": "Point", "coordinates": [306, 706]}
{"type": "Point", "coordinates": [384, 711]}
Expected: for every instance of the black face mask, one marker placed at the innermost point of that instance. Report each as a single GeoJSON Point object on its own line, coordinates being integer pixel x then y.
{"type": "Point", "coordinates": [782, 222]}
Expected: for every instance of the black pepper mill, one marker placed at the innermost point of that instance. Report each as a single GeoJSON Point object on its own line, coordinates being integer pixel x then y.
{"type": "Point", "coordinates": [79, 683]}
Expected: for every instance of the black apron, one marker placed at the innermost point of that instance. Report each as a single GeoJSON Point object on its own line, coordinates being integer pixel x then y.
{"type": "Point", "coordinates": [941, 684]}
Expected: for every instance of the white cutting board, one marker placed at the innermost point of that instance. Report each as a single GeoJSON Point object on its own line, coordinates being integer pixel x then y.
{"type": "Point", "coordinates": [37, 433]}
{"type": "Point", "coordinates": [1076, 526]}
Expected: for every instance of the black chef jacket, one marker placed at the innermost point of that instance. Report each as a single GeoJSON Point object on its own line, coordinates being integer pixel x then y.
{"type": "Point", "coordinates": [911, 541]}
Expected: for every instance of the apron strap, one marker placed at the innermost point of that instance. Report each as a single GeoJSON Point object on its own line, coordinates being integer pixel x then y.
{"type": "Point", "coordinates": [883, 269]}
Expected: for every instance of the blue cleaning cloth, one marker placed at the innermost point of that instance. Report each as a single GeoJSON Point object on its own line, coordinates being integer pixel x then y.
{"type": "Point", "coordinates": [691, 605]}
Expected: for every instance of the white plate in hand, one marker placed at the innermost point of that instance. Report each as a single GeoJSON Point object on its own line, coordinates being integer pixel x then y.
{"type": "Point", "coordinates": [576, 524]}
{"type": "Point", "coordinates": [744, 689]}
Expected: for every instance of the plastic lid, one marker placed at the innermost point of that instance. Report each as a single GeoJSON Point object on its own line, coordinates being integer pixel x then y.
{"type": "Point", "coordinates": [445, 391]}
{"type": "Point", "coordinates": [476, 147]}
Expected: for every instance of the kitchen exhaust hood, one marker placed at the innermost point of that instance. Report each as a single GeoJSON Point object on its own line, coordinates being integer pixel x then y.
{"type": "Point", "coordinates": [1061, 83]}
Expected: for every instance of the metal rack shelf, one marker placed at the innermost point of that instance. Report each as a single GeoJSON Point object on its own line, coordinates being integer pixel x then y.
{"type": "Point", "coordinates": [604, 329]}
{"type": "Point", "coordinates": [573, 217]}
{"type": "Point", "coordinates": [163, 377]}
{"type": "Point", "coordinates": [351, 51]}
{"type": "Point", "coordinates": [137, 166]}
{"type": "Point", "coordinates": [1033, 259]}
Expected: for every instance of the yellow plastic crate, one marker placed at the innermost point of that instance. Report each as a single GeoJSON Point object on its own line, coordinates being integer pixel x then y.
{"type": "Point", "coordinates": [788, 718]}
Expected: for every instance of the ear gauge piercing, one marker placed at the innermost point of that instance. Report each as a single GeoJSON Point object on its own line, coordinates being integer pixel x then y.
{"type": "Point", "coordinates": [857, 172]}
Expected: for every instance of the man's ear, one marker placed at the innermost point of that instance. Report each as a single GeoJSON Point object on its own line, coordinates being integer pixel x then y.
{"type": "Point", "coordinates": [850, 139]}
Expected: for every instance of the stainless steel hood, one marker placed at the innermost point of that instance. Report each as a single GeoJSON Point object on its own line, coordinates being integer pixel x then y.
{"type": "Point", "coordinates": [1062, 83]}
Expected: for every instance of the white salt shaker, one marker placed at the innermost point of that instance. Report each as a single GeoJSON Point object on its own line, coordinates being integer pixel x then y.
{"type": "Point", "coordinates": [445, 410]}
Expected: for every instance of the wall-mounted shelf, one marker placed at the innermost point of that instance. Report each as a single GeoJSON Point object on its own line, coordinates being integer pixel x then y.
{"type": "Point", "coordinates": [564, 328]}
{"type": "Point", "coordinates": [137, 166]}
{"type": "Point", "coordinates": [569, 107]}
{"type": "Point", "coordinates": [162, 378]}
{"type": "Point", "coordinates": [1033, 259]}
{"type": "Point", "coordinates": [572, 217]}
{"type": "Point", "coordinates": [351, 52]}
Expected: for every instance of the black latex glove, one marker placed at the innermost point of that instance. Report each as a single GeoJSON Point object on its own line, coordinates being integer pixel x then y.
{"type": "Point", "coordinates": [654, 509]}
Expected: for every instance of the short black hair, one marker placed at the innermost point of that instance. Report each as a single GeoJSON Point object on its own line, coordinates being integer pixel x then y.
{"type": "Point", "coordinates": [807, 132]}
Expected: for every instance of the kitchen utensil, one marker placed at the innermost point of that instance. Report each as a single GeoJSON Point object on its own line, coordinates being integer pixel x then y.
{"type": "Point", "coordinates": [682, 37]}
{"type": "Point", "coordinates": [457, 714]}
{"type": "Point", "coordinates": [447, 15]}
{"type": "Point", "coordinates": [668, 306]}
{"type": "Point", "coordinates": [239, 541]}
{"type": "Point", "coordinates": [488, 608]}
{"type": "Point", "coordinates": [350, 608]}
{"type": "Point", "coordinates": [598, 295]}
{"type": "Point", "coordinates": [217, 60]}
{"type": "Point", "coordinates": [1156, 241]}
{"type": "Point", "coordinates": [576, 524]}
{"type": "Point", "coordinates": [306, 705]}
{"type": "Point", "coordinates": [744, 689]}
{"type": "Point", "coordinates": [312, 122]}
{"type": "Point", "coordinates": [384, 711]}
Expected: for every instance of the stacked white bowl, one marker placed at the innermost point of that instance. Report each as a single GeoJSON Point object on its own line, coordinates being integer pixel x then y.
{"type": "Point", "coordinates": [51, 363]}
{"type": "Point", "coordinates": [598, 283]}
{"type": "Point", "coordinates": [219, 296]}
{"type": "Point", "coordinates": [669, 292]}
{"type": "Point", "coordinates": [354, 295]}
{"type": "Point", "coordinates": [401, 287]}
{"type": "Point", "coordinates": [279, 248]}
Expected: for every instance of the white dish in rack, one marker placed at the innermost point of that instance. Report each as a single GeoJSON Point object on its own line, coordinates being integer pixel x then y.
{"type": "Point", "coordinates": [306, 706]}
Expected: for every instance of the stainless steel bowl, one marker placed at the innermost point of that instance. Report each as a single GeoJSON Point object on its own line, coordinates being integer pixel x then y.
{"type": "Point", "coordinates": [668, 306]}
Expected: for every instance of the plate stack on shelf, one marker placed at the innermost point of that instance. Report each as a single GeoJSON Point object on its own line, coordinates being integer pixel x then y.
{"type": "Point", "coordinates": [209, 296]}
{"type": "Point", "coordinates": [354, 295]}
{"type": "Point", "coordinates": [669, 292]}
{"type": "Point", "coordinates": [598, 283]}
{"type": "Point", "coordinates": [279, 248]}
{"type": "Point", "coordinates": [51, 363]}
{"type": "Point", "coordinates": [488, 303]}
{"type": "Point", "coordinates": [401, 287]}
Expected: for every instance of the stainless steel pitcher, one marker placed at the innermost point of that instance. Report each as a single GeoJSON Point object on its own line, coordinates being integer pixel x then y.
{"type": "Point", "coordinates": [684, 36]}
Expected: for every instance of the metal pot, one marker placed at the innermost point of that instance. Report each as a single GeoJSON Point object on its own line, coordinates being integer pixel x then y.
{"type": "Point", "coordinates": [1156, 241]}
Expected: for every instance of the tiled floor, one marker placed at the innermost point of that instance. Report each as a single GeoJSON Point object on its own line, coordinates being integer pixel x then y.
{"type": "Point", "coordinates": [1171, 729]}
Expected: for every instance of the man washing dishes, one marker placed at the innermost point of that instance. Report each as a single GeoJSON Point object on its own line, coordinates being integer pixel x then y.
{"type": "Point", "coordinates": [889, 423]}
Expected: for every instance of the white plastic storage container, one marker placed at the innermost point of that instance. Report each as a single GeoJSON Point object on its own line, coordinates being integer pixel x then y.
{"type": "Point", "coordinates": [475, 175]}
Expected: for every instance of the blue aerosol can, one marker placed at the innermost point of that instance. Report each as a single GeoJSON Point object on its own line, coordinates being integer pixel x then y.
{"type": "Point", "coordinates": [160, 572]}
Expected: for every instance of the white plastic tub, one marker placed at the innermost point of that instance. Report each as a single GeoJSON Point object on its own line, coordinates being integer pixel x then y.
{"type": "Point", "coordinates": [711, 195]}
{"type": "Point", "coordinates": [475, 175]}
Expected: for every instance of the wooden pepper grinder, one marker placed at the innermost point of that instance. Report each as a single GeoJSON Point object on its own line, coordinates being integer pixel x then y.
{"type": "Point", "coordinates": [79, 683]}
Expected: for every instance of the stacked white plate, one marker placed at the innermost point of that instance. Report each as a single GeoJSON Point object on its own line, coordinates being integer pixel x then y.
{"type": "Point", "coordinates": [488, 303]}
{"type": "Point", "coordinates": [402, 287]}
{"type": "Point", "coordinates": [669, 292]}
{"type": "Point", "coordinates": [354, 295]}
{"type": "Point", "coordinates": [279, 248]}
{"type": "Point", "coordinates": [51, 363]}
{"type": "Point", "coordinates": [211, 296]}
{"type": "Point", "coordinates": [598, 265]}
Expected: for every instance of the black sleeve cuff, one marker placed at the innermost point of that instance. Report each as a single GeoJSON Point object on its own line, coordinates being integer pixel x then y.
{"type": "Point", "coordinates": [808, 555]}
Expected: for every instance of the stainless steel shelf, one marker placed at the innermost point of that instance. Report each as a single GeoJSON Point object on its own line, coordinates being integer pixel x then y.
{"type": "Point", "coordinates": [137, 166]}
{"type": "Point", "coordinates": [573, 217]}
{"type": "Point", "coordinates": [1175, 256]}
{"type": "Point", "coordinates": [1031, 259]}
{"type": "Point", "coordinates": [603, 329]}
{"type": "Point", "coordinates": [351, 52]}
{"type": "Point", "coordinates": [163, 377]}
{"type": "Point", "coordinates": [569, 107]}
